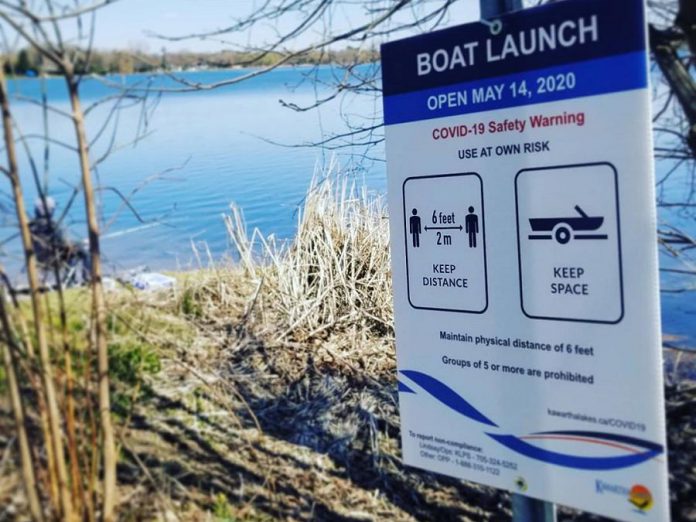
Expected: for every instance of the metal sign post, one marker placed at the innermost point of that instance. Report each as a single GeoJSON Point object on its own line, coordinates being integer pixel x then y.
{"type": "Point", "coordinates": [493, 8]}
{"type": "Point", "coordinates": [524, 509]}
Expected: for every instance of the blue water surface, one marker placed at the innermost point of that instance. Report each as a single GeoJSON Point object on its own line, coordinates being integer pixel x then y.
{"type": "Point", "coordinates": [204, 150]}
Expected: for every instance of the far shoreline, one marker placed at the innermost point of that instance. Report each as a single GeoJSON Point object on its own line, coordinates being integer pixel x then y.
{"type": "Point", "coordinates": [170, 72]}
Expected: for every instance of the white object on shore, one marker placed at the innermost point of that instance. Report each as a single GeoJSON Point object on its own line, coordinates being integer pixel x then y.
{"type": "Point", "coordinates": [150, 281]}
{"type": "Point", "coordinates": [109, 284]}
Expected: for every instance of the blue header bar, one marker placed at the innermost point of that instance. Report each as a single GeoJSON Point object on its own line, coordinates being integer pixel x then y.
{"type": "Point", "coordinates": [540, 38]}
{"type": "Point", "coordinates": [603, 76]}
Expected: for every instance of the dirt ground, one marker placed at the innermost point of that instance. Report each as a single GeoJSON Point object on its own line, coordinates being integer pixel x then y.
{"type": "Point", "coordinates": [312, 432]}
{"type": "Point", "coordinates": [235, 427]}
{"type": "Point", "coordinates": [302, 434]}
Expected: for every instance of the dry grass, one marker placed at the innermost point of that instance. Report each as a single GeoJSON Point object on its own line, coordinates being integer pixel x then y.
{"type": "Point", "coordinates": [287, 392]}
{"type": "Point", "coordinates": [335, 274]}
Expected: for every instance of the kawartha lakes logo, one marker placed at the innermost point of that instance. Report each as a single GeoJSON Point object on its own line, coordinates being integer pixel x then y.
{"type": "Point", "coordinates": [638, 495]}
{"type": "Point", "coordinates": [641, 497]}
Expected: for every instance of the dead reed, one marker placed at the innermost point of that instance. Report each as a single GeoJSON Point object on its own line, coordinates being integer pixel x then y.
{"type": "Point", "coordinates": [334, 276]}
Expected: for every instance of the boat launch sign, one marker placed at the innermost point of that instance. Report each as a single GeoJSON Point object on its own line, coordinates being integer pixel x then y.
{"type": "Point", "coordinates": [520, 179]}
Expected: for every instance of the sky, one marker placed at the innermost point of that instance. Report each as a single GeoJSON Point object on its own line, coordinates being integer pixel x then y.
{"type": "Point", "coordinates": [130, 23]}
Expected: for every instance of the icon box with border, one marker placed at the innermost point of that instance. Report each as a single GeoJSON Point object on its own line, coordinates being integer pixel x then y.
{"type": "Point", "coordinates": [449, 193]}
{"type": "Point", "coordinates": [569, 243]}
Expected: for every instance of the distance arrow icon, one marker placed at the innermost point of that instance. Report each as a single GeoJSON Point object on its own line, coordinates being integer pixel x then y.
{"type": "Point", "coordinates": [460, 228]}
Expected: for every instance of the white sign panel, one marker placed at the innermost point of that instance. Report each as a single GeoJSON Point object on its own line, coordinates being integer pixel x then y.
{"type": "Point", "coordinates": [524, 256]}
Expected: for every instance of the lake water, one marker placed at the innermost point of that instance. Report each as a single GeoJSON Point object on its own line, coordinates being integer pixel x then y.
{"type": "Point", "coordinates": [205, 151]}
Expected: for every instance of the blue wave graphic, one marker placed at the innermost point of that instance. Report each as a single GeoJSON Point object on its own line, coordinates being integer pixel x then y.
{"type": "Point", "coordinates": [641, 443]}
{"type": "Point", "coordinates": [453, 400]}
{"type": "Point", "coordinates": [572, 461]}
{"type": "Point", "coordinates": [403, 388]}
{"type": "Point", "coordinates": [447, 396]}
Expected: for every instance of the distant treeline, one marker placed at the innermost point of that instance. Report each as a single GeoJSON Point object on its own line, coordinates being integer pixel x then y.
{"type": "Point", "coordinates": [27, 62]}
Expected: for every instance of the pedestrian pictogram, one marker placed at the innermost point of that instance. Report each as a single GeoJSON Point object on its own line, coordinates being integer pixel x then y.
{"type": "Point", "coordinates": [472, 227]}
{"type": "Point", "coordinates": [415, 228]}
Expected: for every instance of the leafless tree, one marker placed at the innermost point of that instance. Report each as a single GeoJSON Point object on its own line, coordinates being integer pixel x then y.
{"type": "Point", "coordinates": [673, 47]}
{"type": "Point", "coordinates": [62, 35]}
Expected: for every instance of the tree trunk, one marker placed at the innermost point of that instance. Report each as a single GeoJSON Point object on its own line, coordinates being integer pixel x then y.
{"type": "Point", "coordinates": [9, 355]}
{"type": "Point", "coordinates": [664, 44]}
{"type": "Point", "coordinates": [39, 327]}
{"type": "Point", "coordinates": [37, 384]}
{"type": "Point", "coordinates": [686, 20]}
{"type": "Point", "coordinates": [99, 307]}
